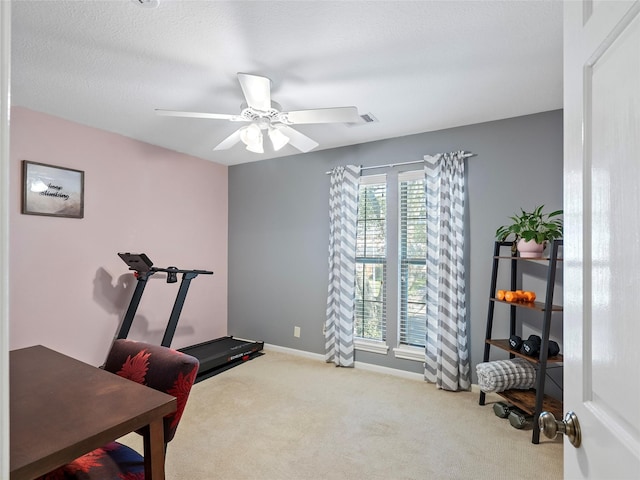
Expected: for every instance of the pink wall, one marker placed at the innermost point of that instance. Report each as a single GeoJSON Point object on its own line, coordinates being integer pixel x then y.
{"type": "Point", "coordinates": [68, 288]}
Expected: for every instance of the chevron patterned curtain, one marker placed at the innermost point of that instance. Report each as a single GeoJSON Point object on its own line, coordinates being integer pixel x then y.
{"type": "Point", "coordinates": [447, 353]}
{"type": "Point", "coordinates": [343, 216]}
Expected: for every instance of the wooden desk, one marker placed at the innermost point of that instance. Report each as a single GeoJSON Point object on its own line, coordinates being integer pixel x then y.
{"type": "Point", "coordinates": [61, 408]}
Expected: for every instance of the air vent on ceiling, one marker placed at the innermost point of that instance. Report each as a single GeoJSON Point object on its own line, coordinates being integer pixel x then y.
{"type": "Point", "coordinates": [147, 3]}
{"type": "Point", "coordinates": [368, 118]}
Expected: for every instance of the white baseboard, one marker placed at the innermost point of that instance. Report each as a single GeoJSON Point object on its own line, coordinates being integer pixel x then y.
{"type": "Point", "coordinates": [293, 351]}
{"type": "Point", "coordinates": [362, 366]}
{"type": "Point", "coordinates": [390, 371]}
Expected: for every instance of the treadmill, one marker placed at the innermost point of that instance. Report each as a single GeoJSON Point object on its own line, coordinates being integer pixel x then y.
{"type": "Point", "coordinates": [215, 356]}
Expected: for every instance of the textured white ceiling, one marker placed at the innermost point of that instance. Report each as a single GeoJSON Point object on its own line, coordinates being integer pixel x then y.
{"type": "Point", "coordinates": [417, 66]}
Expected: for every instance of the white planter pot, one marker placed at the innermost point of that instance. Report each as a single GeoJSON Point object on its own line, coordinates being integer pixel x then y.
{"type": "Point", "coordinates": [530, 248]}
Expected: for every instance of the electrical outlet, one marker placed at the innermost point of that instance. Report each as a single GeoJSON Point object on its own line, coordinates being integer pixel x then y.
{"type": "Point", "coordinates": [296, 332]}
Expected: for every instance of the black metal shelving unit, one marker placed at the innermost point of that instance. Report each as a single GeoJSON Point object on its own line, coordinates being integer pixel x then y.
{"type": "Point", "coordinates": [533, 401]}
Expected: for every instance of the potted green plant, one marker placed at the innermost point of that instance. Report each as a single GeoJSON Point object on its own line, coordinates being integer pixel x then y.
{"type": "Point", "coordinates": [532, 231]}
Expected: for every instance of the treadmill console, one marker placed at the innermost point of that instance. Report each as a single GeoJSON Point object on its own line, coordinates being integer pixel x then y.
{"type": "Point", "coordinates": [137, 261]}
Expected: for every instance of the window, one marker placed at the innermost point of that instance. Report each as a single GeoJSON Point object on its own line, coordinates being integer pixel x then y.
{"type": "Point", "coordinates": [391, 265]}
{"type": "Point", "coordinates": [412, 259]}
{"type": "Point", "coordinates": [371, 261]}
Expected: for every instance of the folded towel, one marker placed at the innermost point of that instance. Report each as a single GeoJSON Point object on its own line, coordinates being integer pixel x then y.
{"type": "Point", "coordinates": [501, 375]}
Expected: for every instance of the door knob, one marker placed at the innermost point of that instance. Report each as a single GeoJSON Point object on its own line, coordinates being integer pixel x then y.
{"type": "Point", "coordinates": [569, 426]}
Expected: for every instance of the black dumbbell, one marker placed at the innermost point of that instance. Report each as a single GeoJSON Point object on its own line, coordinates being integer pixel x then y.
{"type": "Point", "coordinates": [531, 346]}
{"type": "Point", "coordinates": [502, 409]}
{"type": "Point", "coordinates": [515, 342]}
{"type": "Point", "coordinates": [518, 419]}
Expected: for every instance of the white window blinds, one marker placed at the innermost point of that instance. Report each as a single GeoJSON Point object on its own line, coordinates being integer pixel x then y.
{"type": "Point", "coordinates": [371, 259]}
{"type": "Point", "coordinates": [412, 259]}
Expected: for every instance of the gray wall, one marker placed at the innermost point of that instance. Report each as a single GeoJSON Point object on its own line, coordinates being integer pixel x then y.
{"type": "Point", "coordinates": [278, 226]}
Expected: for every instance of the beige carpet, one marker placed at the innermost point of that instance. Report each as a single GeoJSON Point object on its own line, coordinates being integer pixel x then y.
{"type": "Point", "coordinates": [282, 416]}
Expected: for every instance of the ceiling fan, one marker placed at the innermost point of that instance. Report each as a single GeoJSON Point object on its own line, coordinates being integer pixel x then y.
{"type": "Point", "coordinates": [264, 115]}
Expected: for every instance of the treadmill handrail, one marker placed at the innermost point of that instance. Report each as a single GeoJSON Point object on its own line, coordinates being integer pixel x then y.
{"type": "Point", "coordinates": [143, 272]}
{"type": "Point", "coordinates": [178, 270]}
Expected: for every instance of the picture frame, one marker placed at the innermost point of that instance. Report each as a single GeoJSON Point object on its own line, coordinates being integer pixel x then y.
{"type": "Point", "coordinates": [51, 190]}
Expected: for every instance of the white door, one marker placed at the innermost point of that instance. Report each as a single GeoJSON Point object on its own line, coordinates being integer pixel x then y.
{"type": "Point", "coordinates": [602, 236]}
{"type": "Point", "coordinates": [5, 64]}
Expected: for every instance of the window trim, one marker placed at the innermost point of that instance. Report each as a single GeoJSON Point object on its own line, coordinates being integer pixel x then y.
{"type": "Point", "coordinates": [410, 175]}
{"type": "Point", "coordinates": [373, 179]}
{"type": "Point", "coordinates": [407, 352]}
{"type": "Point", "coordinates": [370, 346]}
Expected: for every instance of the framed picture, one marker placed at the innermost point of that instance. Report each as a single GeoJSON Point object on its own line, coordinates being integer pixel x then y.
{"type": "Point", "coordinates": [51, 190]}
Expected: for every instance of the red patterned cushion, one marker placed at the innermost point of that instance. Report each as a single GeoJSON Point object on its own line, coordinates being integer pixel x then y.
{"type": "Point", "coordinates": [160, 368]}
{"type": "Point", "coordinates": [113, 461]}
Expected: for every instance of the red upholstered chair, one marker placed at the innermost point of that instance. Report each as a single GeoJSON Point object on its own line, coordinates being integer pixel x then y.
{"type": "Point", "coordinates": [157, 367]}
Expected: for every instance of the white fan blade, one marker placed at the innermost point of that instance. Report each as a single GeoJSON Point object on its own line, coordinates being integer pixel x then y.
{"type": "Point", "coordinates": [229, 142]}
{"type": "Point", "coordinates": [297, 139]}
{"type": "Point", "coordinates": [325, 115]}
{"type": "Point", "coordinates": [256, 90]}
{"type": "Point", "coordinates": [215, 116]}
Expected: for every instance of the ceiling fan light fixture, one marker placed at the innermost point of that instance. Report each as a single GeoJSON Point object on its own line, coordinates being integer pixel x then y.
{"type": "Point", "coordinates": [278, 139]}
{"type": "Point", "coordinates": [251, 136]}
{"type": "Point", "coordinates": [257, 148]}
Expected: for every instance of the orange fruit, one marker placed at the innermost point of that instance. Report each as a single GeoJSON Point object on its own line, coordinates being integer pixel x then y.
{"type": "Point", "coordinates": [529, 296]}
{"type": "Point", "coordinates": [500, 294]}
{"type": "Point", "coordinates": [510, 296]}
